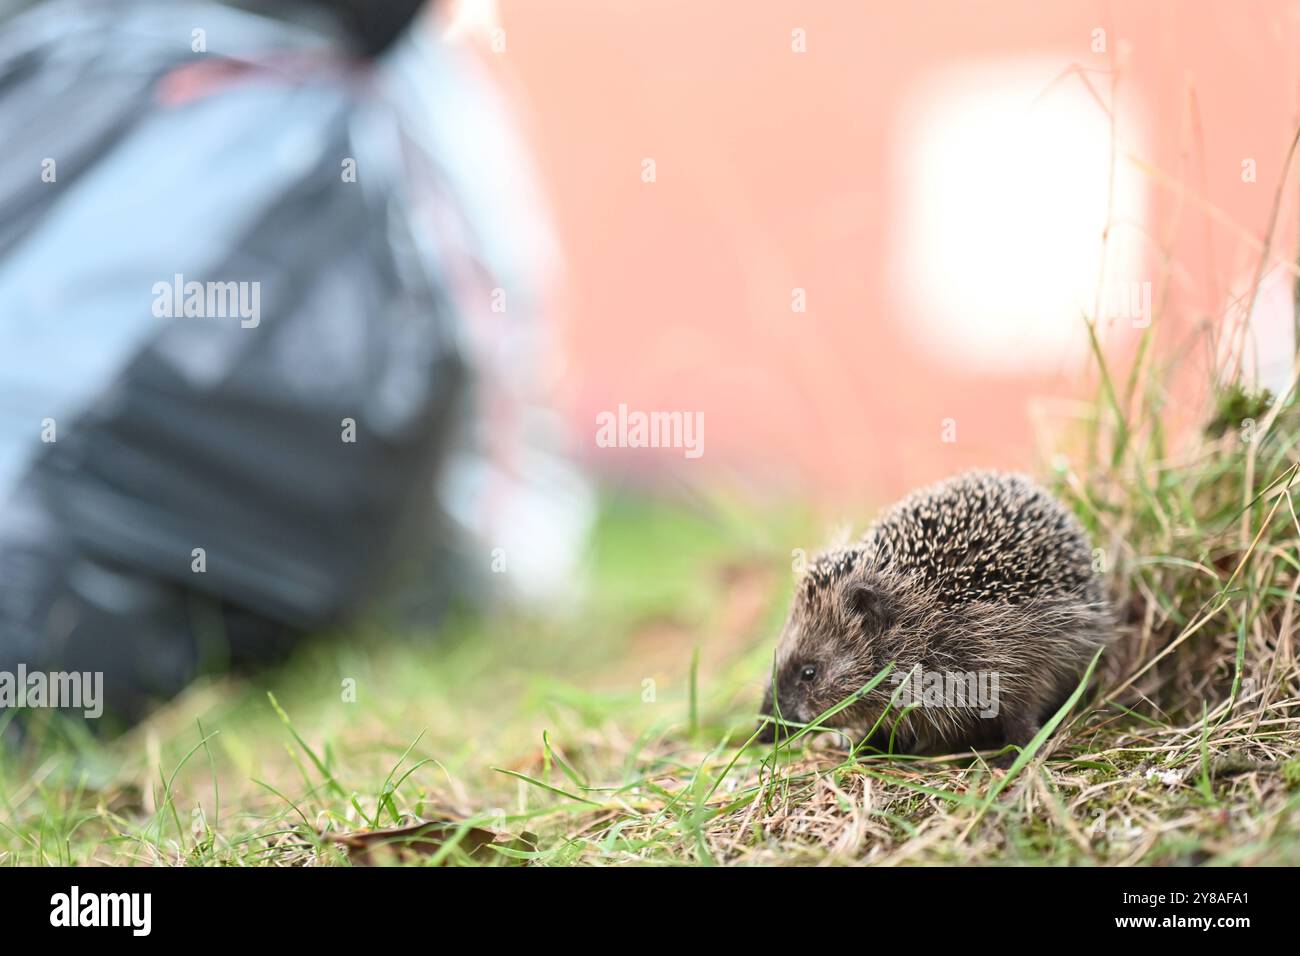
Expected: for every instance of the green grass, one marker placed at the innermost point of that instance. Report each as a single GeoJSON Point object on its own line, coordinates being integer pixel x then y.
{"type": "Point", "coordinates": [1183, 751]}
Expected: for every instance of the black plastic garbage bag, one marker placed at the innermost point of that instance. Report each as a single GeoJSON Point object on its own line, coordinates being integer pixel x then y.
{"type": "Point", "coordinates": [229, 368]}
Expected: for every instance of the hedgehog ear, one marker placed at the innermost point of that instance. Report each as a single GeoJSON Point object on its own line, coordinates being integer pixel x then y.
{"type": "Point", "coordinates": [869, 605]}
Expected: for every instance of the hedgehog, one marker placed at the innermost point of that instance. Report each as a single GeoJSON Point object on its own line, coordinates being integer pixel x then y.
{"type": "Point", "coordinates": [982, 594]}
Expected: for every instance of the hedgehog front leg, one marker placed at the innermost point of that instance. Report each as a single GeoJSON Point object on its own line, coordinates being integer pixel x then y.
{"type": "Point", "coordinates": [1018, 729]}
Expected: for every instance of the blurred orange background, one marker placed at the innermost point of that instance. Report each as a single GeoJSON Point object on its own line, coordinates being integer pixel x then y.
{"type": "Point", "coordinates": [935, 178]}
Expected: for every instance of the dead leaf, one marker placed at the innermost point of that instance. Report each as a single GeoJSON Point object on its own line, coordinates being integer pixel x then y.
{"type": "Point", "coordinates": [406, 843]}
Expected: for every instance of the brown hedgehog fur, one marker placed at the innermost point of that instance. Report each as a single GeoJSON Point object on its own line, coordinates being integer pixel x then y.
{"type": "Point", "coordinates": [985, 573]}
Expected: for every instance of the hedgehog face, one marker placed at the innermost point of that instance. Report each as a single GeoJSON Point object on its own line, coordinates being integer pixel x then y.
{"type": "Point", "coordinates": [832, 644]}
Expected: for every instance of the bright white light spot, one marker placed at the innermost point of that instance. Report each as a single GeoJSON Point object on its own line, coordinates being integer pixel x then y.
{"type": "Point", "coordinates": [1269, 338]}
{"type": "Point", "coordinates": [470, 17]}
{"type": "Point", "coordinates": [1004, 179]}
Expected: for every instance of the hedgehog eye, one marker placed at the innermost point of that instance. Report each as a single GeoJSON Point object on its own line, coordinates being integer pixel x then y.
{"type": "Point", "coordinates": [808, 673]}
